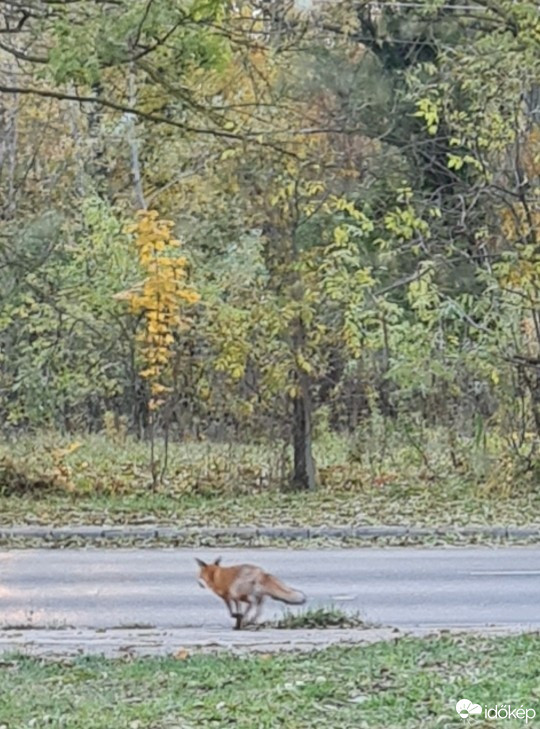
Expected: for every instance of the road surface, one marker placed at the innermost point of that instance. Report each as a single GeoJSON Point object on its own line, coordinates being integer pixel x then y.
{"type": "Point", "coordinates": [405, 588]}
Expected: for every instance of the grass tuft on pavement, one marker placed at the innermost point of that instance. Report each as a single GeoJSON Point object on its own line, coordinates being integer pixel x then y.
{"type": "Point", "coordinates": [319, 618]}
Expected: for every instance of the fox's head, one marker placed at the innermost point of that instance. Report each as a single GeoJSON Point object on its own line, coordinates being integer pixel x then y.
{"type": "Point", "coordinates": [206, 573]}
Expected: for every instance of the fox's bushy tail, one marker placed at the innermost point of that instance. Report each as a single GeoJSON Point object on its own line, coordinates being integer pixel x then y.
{"type": "Point", "coordinates": [277, 590]}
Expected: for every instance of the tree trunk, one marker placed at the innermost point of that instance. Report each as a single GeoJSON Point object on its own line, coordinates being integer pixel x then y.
{"type": "Point", "coordinates": [304, 471]}
{"type": "Point", "coordinates": [96, 167]}
{"type": "Point", "coordinates": [133, 143]}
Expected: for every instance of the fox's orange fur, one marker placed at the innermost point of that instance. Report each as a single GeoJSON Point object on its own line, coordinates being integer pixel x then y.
{"type": "Point", "coordinates": [247, 585]}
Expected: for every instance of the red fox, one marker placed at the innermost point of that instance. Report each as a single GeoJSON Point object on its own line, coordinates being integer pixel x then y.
{"type": "Point", "coordinates": [247, 584]}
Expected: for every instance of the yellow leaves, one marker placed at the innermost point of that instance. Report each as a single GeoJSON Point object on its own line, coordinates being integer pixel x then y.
{"type": "Point", "coordinates": [149, 372]}
{"type": "Point", "coordinates": [293, 193]}
{"type": "Point", "coordinates": [520, 273]}
{"type": "Point", "coordinates": [363, 277]}
{"type": "Point", "coordinates": [427, 110]}
{"type": "Point", "coordinates": [404, 194]}
{"type": "Point", "coordinates": [455, 162]}
{"type": "Point", "coordinates": [315, 187]}
{"type": "Point", "coordinates": [341, 235]}
{"type": "Point", "coordinates": [517, 224]}
{"type": "Point", "coordinates": [293, 391]}
{"type": "Point", "coordinates": [519, 269]}
{"type": "Point", "coordinates": [236, 372]}
{"type": "Point", "coordinates": [192, 297]}
{"type": "Point", "coordinates": [285, 193]}
{"type": "Point", "coordinates": [405, 224]}
{"type": "Point", "coordinates": [292, 168]}
{"type": "Point", "coordinates": [531, 153]}
{"type": "Point", "coordinates": [156, 388]}
{"type": "Point", "coordinates": [303, 364]}
{"type": "Point", "coordinates": [423, 294]}
{"type": "Point", "coordinates": [153, 327]}
{"type": "Point", "coordinates": [341, 204]}
{"type": "Point", "coordinates": [228, 154]}
{"type": "Point", "coordinates": [203, 391]}
{"type": "Point", "coordinates": [160, 298]}
{"type": "Point", "coordinates": [152, 235]}
{"type": "Point", "coordinates": [352, 336]}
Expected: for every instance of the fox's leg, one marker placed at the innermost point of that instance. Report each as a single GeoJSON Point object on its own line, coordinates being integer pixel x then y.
{"type": "Point", "coordinates": [258, 609]}
{"type": "Point", "coordinates": [256, 606]}
{"type": "Point", "coordinates": [242, 617]}
{"type": "Point", "coordinates": [234, 614]}
{"type": "Point", "coordinates": [229, 607]}
{"type": "Point", "coordinates": [245, 618]}
{"type": "Point", "coordinates": [238, 615]}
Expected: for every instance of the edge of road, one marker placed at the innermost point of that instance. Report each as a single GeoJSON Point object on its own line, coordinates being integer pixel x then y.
{"type": "Point", "coordinates": [171, 533]}
{"type": "Point", "coordinates": [180, 642]}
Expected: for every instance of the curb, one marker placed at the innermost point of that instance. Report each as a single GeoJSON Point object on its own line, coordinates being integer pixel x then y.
{"type": "Point", "coordinates": [276, 532]}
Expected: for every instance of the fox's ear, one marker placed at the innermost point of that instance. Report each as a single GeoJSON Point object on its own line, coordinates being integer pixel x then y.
{"type": "Point", "coordinates": [217, 561]}
{"type": "Point", "coordinates": [200, 562]}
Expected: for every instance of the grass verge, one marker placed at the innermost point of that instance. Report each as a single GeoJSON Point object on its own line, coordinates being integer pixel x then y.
{"type": "Point", "coordinates": [49, 480]}
{"type": "Point", "coordinates": [406, 684]}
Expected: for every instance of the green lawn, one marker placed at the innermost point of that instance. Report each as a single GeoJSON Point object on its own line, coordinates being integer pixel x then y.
{"type": "Point", "coordinates": [408, 683]}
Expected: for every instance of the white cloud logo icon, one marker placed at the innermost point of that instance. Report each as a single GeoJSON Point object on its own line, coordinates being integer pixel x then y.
{"type": "Point", "coordinates": [466, 708]}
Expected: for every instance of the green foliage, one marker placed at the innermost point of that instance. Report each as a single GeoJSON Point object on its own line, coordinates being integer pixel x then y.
{"type": "Point", "coordinates": [358, 192]}
{"type": "Point", "coordinates": [64, 338]}
{"type": "Point", "coordinates": [87, 42]}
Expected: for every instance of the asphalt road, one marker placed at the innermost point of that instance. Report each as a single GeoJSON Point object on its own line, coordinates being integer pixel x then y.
{"type": "Point", "coordinates": [406, 588]}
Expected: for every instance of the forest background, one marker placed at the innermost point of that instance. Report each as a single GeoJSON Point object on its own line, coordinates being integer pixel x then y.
{"type": "Point", "coordinates": [261, 246]}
